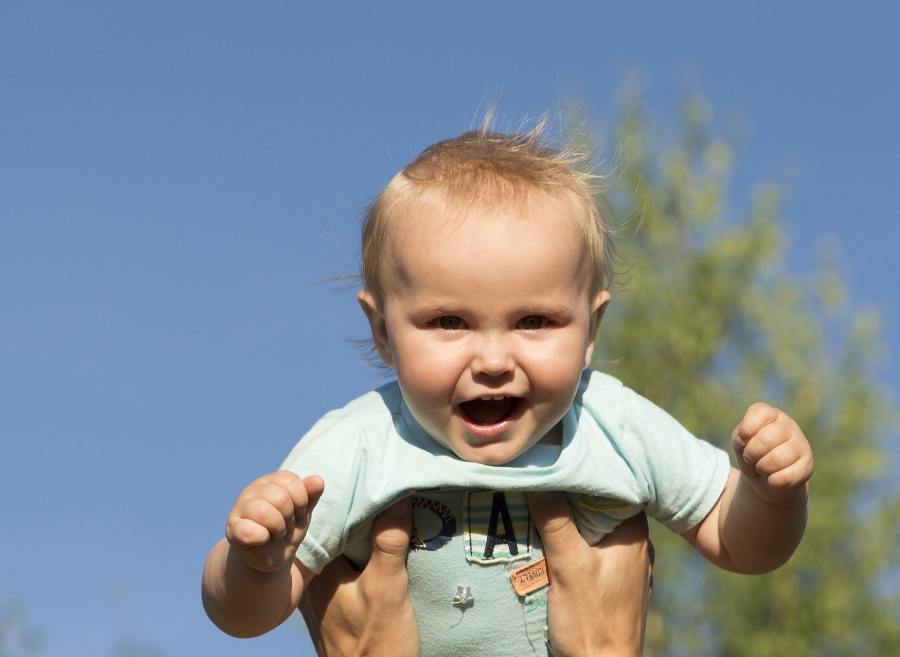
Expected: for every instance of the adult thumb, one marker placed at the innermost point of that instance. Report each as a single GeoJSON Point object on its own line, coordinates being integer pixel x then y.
{"type": "Point", "coordinates": [553, 520]}
{"type": "Point", "coordinates": [390, 538]}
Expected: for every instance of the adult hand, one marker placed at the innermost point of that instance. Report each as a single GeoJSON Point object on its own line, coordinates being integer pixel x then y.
{"type": "Point", "coordinates": [597, 602]}
{"type": "Point", "coordinates": [353, 613]}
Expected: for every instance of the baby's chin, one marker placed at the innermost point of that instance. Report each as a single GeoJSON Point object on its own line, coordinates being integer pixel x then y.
{"type": "Point", "coordinates": [498, 452]}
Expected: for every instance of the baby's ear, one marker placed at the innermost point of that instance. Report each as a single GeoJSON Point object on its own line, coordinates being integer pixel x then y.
{"type": "Point", "coordinates": [599, 305]}
{"type": "Point", "coordinates": [379, 327]}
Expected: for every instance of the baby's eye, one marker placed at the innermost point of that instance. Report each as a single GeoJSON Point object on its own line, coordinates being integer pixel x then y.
{"type": "Point", "coordinates": [533, 322]}
{"type": "Point", "coordinates": [449, 323]}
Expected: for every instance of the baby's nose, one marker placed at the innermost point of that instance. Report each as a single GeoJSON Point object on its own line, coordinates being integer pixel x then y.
{"type": "Point", "coordinates": [493, 357]}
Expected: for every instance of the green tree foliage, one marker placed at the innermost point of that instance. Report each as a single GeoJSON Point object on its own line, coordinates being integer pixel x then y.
{"type": "Point", "coordinates": [706, 320]}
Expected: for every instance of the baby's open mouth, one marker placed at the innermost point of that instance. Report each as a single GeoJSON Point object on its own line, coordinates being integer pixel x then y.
{"type": "Point", "coordinates": [490, 410]}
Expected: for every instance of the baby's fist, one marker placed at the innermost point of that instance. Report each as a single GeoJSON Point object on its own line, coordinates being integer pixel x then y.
{"type": "Point", "coordinates": [772, 453]}
{"type": "Point", "coordinates": [270, 519]}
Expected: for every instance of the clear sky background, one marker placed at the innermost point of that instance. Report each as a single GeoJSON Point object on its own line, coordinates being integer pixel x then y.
{"type": "Point", "coordinates": [177, 180]}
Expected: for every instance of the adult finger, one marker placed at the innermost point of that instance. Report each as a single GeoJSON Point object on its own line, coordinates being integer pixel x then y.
{"type": "Point", "coordinates": [632, 531]}
{"type": "Point", "coordinates": [323, 590]}
{"type": "Point", "coordinates": [633, 534]}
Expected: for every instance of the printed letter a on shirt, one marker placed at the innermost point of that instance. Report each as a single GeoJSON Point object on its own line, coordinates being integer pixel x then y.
{"type": "Point", "coordinates": [499, 511]}
{"type": "Point", "coordinates": [497, 526]}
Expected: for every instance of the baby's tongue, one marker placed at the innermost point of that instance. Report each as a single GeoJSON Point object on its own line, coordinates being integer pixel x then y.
{"type": "Point", "coordinates": [489, 411]}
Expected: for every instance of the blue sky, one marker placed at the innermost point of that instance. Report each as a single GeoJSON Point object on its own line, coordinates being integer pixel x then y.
{"type": "Point", "coordinates": [178, 180]}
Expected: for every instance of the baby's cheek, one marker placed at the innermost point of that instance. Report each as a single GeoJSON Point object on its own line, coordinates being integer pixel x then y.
{"type": "Point", "coordinates": [426, 392]}
{"type": "Point", "coordinates": [428, 375]}
{"type": "Point", "coordinates": [558, 366]}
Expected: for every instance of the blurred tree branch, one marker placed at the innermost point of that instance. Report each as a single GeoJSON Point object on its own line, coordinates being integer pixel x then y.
{"type": "Point", "coordinates": [706, 321]}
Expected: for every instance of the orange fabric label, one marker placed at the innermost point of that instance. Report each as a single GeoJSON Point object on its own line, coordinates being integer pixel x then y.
{"type": "Point", "coordinates": [530, 577]}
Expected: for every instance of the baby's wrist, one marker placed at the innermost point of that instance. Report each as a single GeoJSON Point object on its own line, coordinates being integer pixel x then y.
{"type": "Point", "coordinates": [259, 569]}
{"type": "Point", "coordinates": [773, 497]}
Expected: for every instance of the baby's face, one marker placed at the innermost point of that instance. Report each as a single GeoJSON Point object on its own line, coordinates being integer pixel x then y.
{"type": "Point", "coordinates": [488, 323]}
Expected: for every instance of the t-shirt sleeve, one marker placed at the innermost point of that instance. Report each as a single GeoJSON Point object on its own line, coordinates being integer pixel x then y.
{"type": "Point", "coordinates": [685, 476]}
{"type": "Point", "coordinates": [334, 450]}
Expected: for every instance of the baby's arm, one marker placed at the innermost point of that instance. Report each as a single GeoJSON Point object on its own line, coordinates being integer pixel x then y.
{"type": "Point", "coordinates": [759, 520]}
{"type": "Point", "coordinates": [252, 581]}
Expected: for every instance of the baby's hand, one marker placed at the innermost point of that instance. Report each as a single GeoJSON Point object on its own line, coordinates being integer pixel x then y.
{"type": "Point", "coordinates": [772, 453]}
{"type": "Point", "coordinates": [270, 518]}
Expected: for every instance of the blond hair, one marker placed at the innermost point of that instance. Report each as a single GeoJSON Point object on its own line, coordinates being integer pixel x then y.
{"type": "Point", "coordinates": [492, 169]}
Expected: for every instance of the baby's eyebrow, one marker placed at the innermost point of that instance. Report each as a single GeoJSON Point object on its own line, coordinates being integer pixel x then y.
{"type": "Point", "coordinates": [436, 310]}
{"type": "Point", "coordinates": [547, 309]}
{"type": "Point", "coordinates": [553, 310]}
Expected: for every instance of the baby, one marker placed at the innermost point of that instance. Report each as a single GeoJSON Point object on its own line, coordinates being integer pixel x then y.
{"type": "Point", "coordinates": [486, 265]}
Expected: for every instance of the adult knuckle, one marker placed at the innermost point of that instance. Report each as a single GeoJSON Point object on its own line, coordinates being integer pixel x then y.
{"type": "Point", "coordinates": [392, 542]}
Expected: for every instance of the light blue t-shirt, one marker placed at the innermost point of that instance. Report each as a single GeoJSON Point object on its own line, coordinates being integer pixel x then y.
{"type": "Point", "coordinates": [620, 455]}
